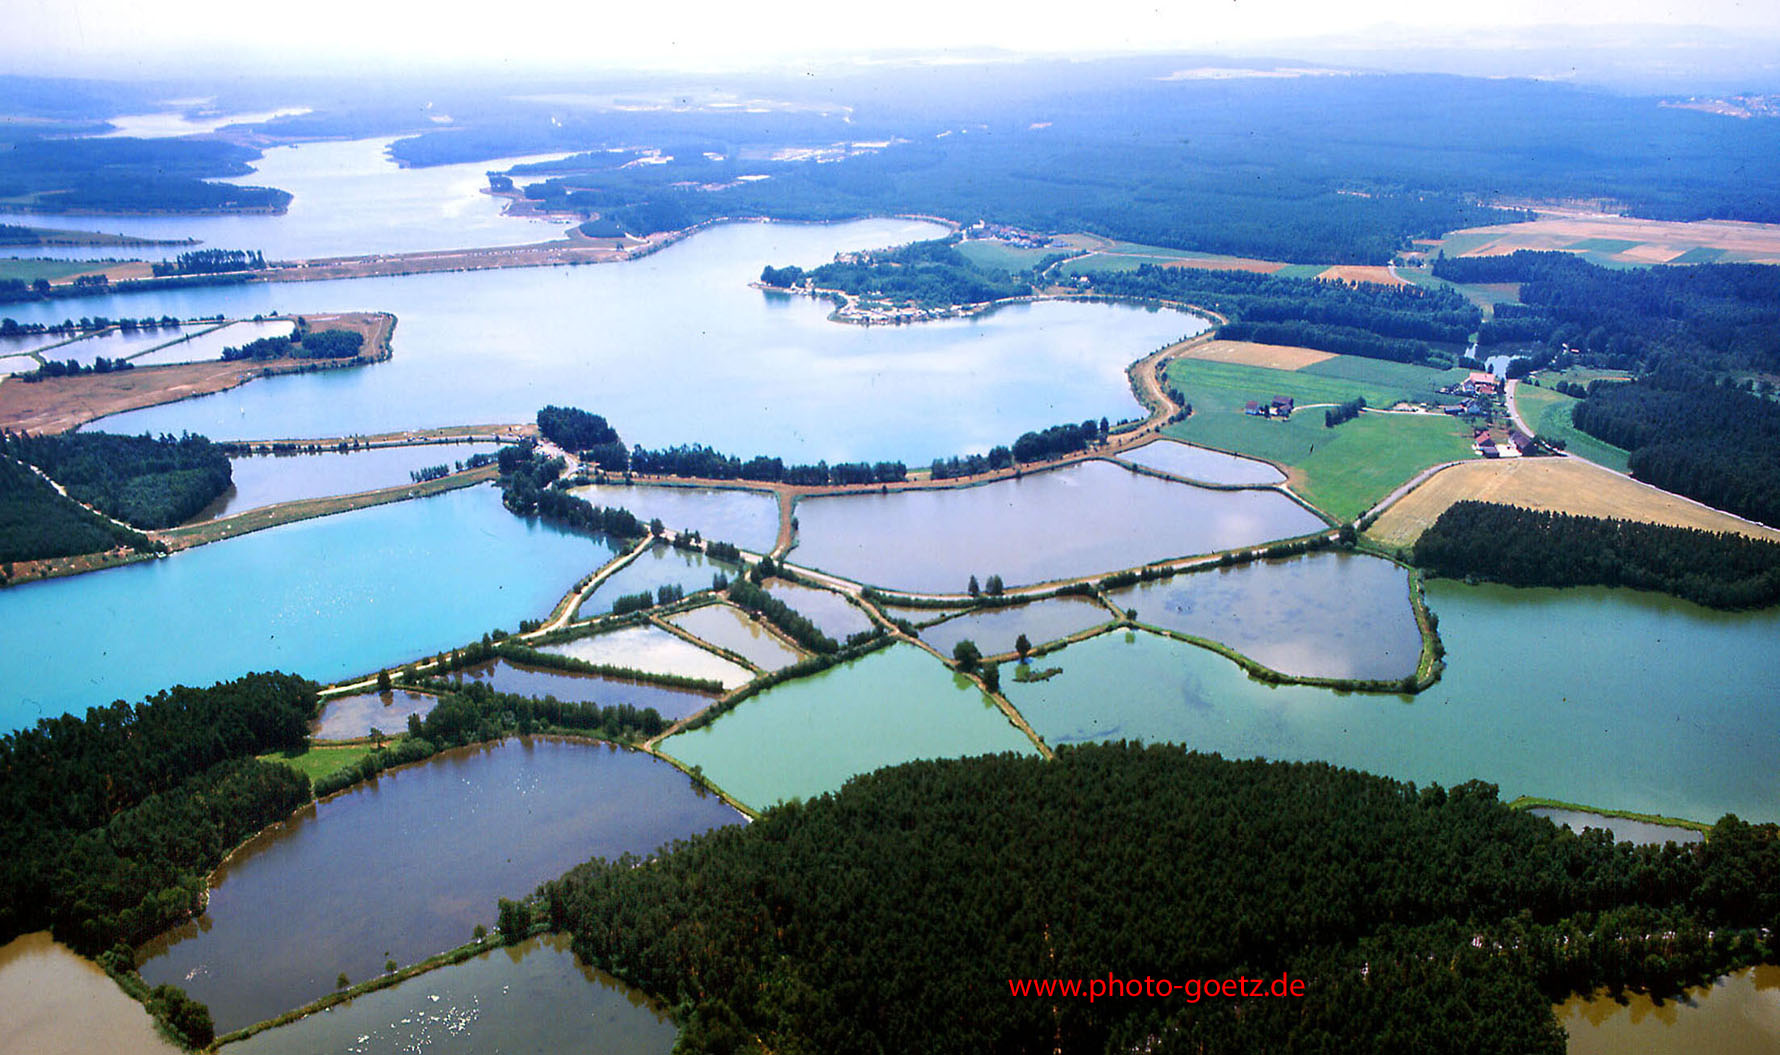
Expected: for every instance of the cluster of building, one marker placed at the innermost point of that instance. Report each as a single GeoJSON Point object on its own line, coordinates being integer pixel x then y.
{"type": "Point", "coordinates": [1280, 407]}
{"type": "Point", "coordinates": [1015, 236]}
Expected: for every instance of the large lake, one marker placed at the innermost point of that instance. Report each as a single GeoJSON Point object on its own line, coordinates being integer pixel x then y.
{"type": "Point", "coordinates": [409, 864]}
{"type": "Point", "coordinates": [1087, 518]}
{"type": "Point", "coordinates": [675, 348]}
{"type": "Point", "coordinates": [324, 598]}
{"type": "Point", "coordinates": [337, 188]}
{"type": "Point", "coordinates": [1606, 698]}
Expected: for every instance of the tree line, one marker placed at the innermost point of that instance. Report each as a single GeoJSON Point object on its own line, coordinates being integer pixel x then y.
{"type": "Point", "coordinates": [891, 915]}
{"type": "Point", "coordinates": [210, 262]}
{"type": "Point", "coordinates": [145, 481]}
{"type": "Point", "coordinates": [698, 460]}
{"type": "Point", "coordinates": [1525, 547]}
{"type": "Point", "coordinates": [301, 344]}
{"type": "Point", "coordinates": [1396, 323]}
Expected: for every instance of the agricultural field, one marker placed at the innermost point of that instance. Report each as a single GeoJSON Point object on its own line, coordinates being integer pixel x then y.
{"type": "Point", "coordinates": [989, 253]}
{"type": "Point", "coordinates": [1382, 276]}
{"type": "Point", "coordinates": [1617, 241]}
{"type": "Point", "coordinates": [1547, 412]}
{"type": "Point", "coordinates": [1562, 485]}
{"type": "Point", "coordinates": [320, 761]}
{"type": "Point", "coordinates": [1341, 471]}
{"type": "Point", "coordinates": [1105, 254]}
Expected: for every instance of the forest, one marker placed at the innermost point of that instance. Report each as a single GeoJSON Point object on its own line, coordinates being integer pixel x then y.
{"type": "Point", "coordinates": [1709, 441]}
{"type": "Point", "coordinates": [1711, 317]}
{"type": "Point", "coordinates": [145, 481]}
{"type": "Point", "coordinates": [926, 274]}
{"type": "Point", "coordinates": [1365, 319]}
{"type": "Point", "coordinates": [36, 522]}
{"type": "Point", "coordinates": [113, 819]}
{"type": "Point", "coordinates": [1525, 547]}
{"type": "Point", "coordinates": [894, 915]}
{"type": "Point", "coordinates": [586, 434]}
{"type": "Point", "coordinates": [132, 175]}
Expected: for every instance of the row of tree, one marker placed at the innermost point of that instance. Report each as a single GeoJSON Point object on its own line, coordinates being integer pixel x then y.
{"type": "Point", "coordinates": [211, 262]}
{"type": "Point", "coordinates": [900, 913]}
{"type": "Point", "coordinates": [1525, 547]}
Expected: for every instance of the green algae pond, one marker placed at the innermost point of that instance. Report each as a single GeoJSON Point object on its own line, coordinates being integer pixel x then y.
{"type": "Point", "coordinates": [1610, 698]}
{"type": "Point", "coordinates": [808, 736]}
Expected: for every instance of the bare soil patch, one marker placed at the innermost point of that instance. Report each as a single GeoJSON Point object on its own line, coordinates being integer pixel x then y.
{"type": "Point", "coordinates": [1362, 273]}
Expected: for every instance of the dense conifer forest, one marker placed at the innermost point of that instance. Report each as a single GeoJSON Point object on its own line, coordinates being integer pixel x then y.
{"type": "Point", "coordinates": [36, 522]}
{"type": "Point", "coordinates": [145, 481]}
{"type": "Point", "coordinates": [111, 820]}
{"type": "Point", "coordinates": [132, 175]}
{"type": "Point", "coordinates": [892, 915]}
{"type": "Point", "coordinates": [1524, 547]}
{"type": "Point", "coordinates": [1708, 317]}
{"type": "Point", "coordinates": [1712, 442]}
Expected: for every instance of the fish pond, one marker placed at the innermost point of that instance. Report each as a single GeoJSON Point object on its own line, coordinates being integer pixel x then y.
{"type": "Point", "coordinates": [833, 614]}
{"type": "Point", "coordinates": [804, 737]}
{"type": "Point", "coordinates": [659, 565]}
{"type": "Point", "coordinates": [749, 519]}
{"type": "Point", "coordinates": [1331, 614]}
{"type": "Point", "coordinates": [268, 479]}
{"type": "Point", "coordinates": [1540, 692]}
{"type": "Point", "coordinates": [1623, 829]}
{"type": "Point", "coordinates": [493, 1002]}
{"type": "Point", "coordinates": [729, 627]}
{"type": "Point", "coordinates": [324, 598]}
{"type": "Point", "coordinates": [1737, 1015]}
{"type": "Point", "coordinates": [408, 865]}
{"type": "Point", "coordinates": [994, 630]}
{"type": "Point", "coordinates": [1199, 463]}
{"type": "Point", "coordinates": [650, 648]}
{"type": "Point", "coordinates": [1087, 518]}
{"type": "Point", "coordinates": [53, 1002]}
{"type": "Point", "coordinates": [576, 687]}
{"type": "Point", "coordinates": [350, 717]}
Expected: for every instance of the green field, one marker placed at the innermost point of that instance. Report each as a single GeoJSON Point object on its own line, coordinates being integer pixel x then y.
{"type": "Point", "coordinates": [1300, 271]}
{"type": "Point", "coordinates": [992, 254]}
{"type": "Point", "coordinates": [1129, 256]}
{"type": "Point", "coordinates": [1547, 412]}
{"type": "Point", "coordinates": [320, 761]}
{"type": "Point", "coordinates": [32, 270]}
{"type": "Point", "coordinates": [1482, 296]}
{"type": "Point", "coordinates": [1343, 470]}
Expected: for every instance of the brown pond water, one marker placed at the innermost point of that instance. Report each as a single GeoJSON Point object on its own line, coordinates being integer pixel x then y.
{"type": "Point", "coordinates": [53, 1002]}
{"type": "Point", "coordinates": [408, 865]}
{"type": "Point", "coordinates": [1737, 1015]}
{"type": "Point", "coordinates": [350, 717]}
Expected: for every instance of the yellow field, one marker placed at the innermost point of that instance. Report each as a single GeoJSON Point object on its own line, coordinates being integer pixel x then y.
{"type": "Point", "coordinates": [1248, 353]}
{"type": "Point", "coordinates": [1362, 273]}
{"type": "Point", "coordinates": [1563, 485]}
{"type": "Point", "coordinates": [1655, 241]}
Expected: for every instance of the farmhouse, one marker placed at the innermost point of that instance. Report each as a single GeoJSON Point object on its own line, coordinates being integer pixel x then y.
{"type": "Point", "coordinates": [1482, 384]}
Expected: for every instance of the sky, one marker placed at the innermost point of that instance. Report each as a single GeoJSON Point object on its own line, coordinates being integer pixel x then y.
{"type": "Point", "coordinates": [126, 38]}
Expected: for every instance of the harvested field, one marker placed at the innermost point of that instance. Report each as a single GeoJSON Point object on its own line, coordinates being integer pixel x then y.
{"type": "Point", "coordinates": [1248, 353]}
{"type": "Point", "coordinates": [1227, 263]}
{"type": "Point", "coordinates": [1624, 240]}
{"type": "Point", "coordinates": [1380, 276]}
{"type": "Point", "coordinates": [1564, 485]}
